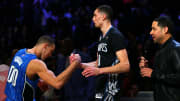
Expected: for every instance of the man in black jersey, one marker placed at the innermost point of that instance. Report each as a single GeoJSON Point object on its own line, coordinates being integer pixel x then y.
{"type": "Point", "coordinates": [112, 57]}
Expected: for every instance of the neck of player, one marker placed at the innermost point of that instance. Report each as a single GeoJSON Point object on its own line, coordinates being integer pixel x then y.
{"type": "Point", "coordinates": [105, 27]}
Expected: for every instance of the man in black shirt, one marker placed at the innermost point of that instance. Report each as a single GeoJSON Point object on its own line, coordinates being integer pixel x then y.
{"type": "Point", "coordinates": [166, 72]}
{"type": "Point", "coordinates": [112, 57]}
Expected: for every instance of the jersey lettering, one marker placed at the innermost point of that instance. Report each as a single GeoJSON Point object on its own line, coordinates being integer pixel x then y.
{"type": "Point", "coordinates": [102, 47]}
{"type": "Point", "coordinates": [12, 76]}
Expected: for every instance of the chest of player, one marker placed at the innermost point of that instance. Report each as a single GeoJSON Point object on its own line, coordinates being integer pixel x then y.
{"type": "Point", "coordinates": [105, 47]}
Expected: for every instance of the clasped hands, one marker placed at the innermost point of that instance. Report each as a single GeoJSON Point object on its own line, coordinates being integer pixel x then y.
{"type": "Point", "coordinates": [89, 70]}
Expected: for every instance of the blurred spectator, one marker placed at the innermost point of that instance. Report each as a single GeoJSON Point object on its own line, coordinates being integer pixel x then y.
{"type": "Point", "coordinates": [3, 77]}
{"type": "Point", "coordinates": [4, 68]}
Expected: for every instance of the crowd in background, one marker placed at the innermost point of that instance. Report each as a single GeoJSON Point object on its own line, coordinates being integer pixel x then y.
{"type": "Point", "coordinates": [69, 22]}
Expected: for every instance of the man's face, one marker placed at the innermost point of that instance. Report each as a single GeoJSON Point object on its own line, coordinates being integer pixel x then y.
{"type": "Point", "coordinates": [98, 18]}
{"type": "Point", "coordinates": [47, 51]}
{"type": "Point", "coordinates": [157, 32]}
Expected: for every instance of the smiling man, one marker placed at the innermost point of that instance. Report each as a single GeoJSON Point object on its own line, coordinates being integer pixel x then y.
{"type": "Point", "coordinates": [166, 72]}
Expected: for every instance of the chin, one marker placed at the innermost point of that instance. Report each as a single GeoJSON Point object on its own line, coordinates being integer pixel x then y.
{"type": "Point", "coordinates": [96, 26]}
{"type": "Point", "coordinates": [42, 58]}
{"type": "Point", "coordinates": [155, 41]}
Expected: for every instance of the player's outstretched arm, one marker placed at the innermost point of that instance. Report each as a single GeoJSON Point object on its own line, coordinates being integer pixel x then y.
{"type": "Point", "coordinates": [39, 67]}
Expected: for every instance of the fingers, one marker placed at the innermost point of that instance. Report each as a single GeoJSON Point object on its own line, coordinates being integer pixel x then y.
{"type": "Point", "coordinates": [71, 58]}
{"type": "Point", "coordinates": [74, 57]}
{"type": "Point", "coordinates": [90, 71]}
{"type": "Point", "coordinates": [143, 62]}
{"type": "Point", "coordinates": [146, 72]}
{"type": "Point", "coordinates": [87, 73]}
{"type": "Point", "coordinates": [77, 57]}
{"type": "Point", "coordinates": [143, 72]}
{"type": "Point", "coordinates": [142, 58]}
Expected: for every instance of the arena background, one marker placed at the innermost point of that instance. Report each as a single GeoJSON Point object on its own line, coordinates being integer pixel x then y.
{"type": "Point", "coordinates": [69, 22]}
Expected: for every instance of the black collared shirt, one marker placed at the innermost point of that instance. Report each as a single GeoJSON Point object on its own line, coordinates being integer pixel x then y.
{"type": "Point", "coordinates": [166, 73]}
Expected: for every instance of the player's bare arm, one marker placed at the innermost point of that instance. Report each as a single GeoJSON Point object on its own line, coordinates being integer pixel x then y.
{"type": "Point", "coordinates": [38, 67]}
{"type": "Point", "coordinates": [122, 67]}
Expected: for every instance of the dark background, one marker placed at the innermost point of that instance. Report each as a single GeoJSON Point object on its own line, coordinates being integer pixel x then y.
{"type": "Point", "coordinates": [69, 22]}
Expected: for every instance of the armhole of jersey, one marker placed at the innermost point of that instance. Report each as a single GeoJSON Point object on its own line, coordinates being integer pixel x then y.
{"type": "Point", "coordinates": [28, 87]}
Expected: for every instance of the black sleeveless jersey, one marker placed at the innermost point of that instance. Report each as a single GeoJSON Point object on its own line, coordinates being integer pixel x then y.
{"type": "Point", "coordinates": [108, 45]}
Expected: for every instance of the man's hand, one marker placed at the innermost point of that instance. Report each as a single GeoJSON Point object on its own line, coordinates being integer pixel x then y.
{"type": "Point", "coordinates": [91, 71]}
{"type": "Point", "coordinates": [74, 57]}
{"type": "Point", "coordinates": [146, 72]}
{"type": "Point", "coordinates": [143, 62]}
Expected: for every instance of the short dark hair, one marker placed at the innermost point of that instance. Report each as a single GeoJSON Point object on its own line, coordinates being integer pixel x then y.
{"type": "Point", "coordinates": [107, 10]}
{"type": "Point", "coordinates": [164, 21]}
{"type": "Point", "coordinates": [45, 39]}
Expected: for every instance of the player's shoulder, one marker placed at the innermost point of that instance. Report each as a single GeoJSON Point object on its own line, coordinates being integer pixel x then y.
{"type": "Point", "coordinates": [115, 32]}
{"type": "Point", "coordinates": [37, 62]}
{"type": "Point", "coordinates": [21, 51]}
{"type": "Point", "coordinates": [37, 65]}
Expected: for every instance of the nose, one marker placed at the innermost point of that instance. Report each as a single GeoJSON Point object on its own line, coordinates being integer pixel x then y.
{"type": "Point", "coordinates": [93, 18]}
{"type": "Point", "coordinates": [151, 32]}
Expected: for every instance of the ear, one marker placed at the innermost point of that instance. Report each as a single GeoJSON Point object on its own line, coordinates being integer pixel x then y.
{"type": "Point", "coordinates": [165, 29]}
{"type": "Point", "coordinates": [104, 16]}
{"type": "Point", "coordinates": [45, 45]}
